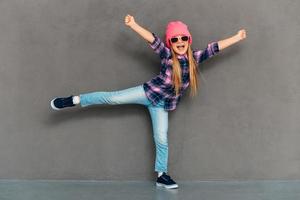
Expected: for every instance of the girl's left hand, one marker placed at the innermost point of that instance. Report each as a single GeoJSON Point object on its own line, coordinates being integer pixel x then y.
{"type": "Point", "coordinates": [241, 34]}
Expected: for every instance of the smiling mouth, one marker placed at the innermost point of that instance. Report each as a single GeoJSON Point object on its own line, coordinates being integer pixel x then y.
{"type": "Point", "coordinates": [180, 47]}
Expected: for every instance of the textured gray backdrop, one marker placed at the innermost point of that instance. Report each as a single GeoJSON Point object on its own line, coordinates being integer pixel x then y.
{"type": "Point", "coordinates": [243, 124]}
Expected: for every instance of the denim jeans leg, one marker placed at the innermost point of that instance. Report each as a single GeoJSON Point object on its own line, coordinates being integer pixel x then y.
{"type": "Point", "coordinates": [137, 95]}
{"type": "Point", "coordinates": [159, 118]}
{"type": "Point", "coordinates": [133, 95]}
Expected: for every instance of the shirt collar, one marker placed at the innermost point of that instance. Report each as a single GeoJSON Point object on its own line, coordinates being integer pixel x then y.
{"type": "Point", "coordinates": [182, 56]}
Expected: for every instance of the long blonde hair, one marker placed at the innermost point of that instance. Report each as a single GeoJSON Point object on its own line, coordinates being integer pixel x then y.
{"type": "Point", "coordinates": [193, 72]}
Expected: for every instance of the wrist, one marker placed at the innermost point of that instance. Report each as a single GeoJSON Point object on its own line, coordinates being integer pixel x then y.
{"type": "Point", "coordinates": [237, 38]}
{"type": "Point", "coordinates": [133, 25]}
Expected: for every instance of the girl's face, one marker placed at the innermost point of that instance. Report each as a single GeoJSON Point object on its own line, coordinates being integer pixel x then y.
{"type": "Point", "coordinates": [180, 44]}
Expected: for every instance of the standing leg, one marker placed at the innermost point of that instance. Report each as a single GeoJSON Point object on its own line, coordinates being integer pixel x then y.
{"type": "Point", "coordinates": [159, 118]}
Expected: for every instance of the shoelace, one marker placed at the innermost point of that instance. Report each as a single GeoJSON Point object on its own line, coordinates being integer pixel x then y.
{"type": "Point", "coordinates": [66, 100]}
{"type": "Point", "coordinates": [167, 177]}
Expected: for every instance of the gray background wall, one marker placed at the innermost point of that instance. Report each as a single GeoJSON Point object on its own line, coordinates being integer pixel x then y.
{"type": "Point", "coordinates": [243, 124]}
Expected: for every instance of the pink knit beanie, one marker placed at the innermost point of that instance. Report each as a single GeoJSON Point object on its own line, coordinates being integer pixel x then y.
{"type": "Point", "coordinates": [175, 28]}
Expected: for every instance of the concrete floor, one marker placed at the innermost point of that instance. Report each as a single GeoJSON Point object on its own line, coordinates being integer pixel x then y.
{"type": "Point", "coordinates": [143, 190]}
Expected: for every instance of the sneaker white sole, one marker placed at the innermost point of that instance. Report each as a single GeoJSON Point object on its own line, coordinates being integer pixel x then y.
{"type": "Point", "coordinates": [53, 106]}
{"type": "Point", "coordinates": [167, 186]}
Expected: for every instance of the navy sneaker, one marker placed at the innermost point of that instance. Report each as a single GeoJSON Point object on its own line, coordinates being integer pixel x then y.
{"type": "Point", "coordinates": [165, 181]}
{"type": "Point", "coordinates": [59, 103]}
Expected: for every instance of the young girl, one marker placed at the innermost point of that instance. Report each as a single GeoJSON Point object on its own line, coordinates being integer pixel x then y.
{"type": "Point", "coordinates": [162, 93]}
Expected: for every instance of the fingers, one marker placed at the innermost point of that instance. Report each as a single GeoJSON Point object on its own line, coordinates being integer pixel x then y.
{"type": "Point", "coordinates": [128, 19]}
{"type": "Point", "coordinates": [242, 33]}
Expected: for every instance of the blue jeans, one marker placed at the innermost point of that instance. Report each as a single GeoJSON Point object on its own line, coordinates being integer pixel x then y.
{"type": "Point", "coordinates": [137, 95]}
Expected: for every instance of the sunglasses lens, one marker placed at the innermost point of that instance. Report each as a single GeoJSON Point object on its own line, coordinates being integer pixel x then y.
{"type": "Point", "coordinates": [185, 38]}
{"type": "Point", "coordinates": [173, 40]}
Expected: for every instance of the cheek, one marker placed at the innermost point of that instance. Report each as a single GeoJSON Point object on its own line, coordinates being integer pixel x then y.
{"type": "Point", "coordinates": [187, 46]}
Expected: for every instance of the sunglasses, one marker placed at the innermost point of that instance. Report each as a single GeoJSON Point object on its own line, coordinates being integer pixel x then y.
{"type": "Point", "coordinates": [183, 38]}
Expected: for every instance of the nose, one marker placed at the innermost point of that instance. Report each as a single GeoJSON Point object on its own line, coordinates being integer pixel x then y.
{"type": "Point", "coordinates": [179, 39]}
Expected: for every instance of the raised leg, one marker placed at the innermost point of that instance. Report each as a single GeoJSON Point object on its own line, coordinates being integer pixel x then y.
{"type": "Point", "coordinates": [133, 95]}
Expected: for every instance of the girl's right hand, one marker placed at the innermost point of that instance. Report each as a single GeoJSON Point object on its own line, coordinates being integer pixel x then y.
{"type": "Point", "coordinates": [129, 20]}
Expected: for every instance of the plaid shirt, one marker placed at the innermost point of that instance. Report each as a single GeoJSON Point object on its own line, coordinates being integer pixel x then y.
{"type": "Point", "coordinates": [160, 87]}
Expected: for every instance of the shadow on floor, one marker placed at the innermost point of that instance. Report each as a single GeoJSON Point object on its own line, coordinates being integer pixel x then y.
{"type": "Point", "coordinates": [144, 190]}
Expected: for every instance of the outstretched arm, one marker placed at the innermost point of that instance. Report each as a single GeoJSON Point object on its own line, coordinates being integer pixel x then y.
{"type": "Point", "coordinates": [232, 40]}
{"type": "Point", "coordinates": [147, 35]}
{"type": "Point", "coordinates": [153, 40]}
{"type": "Point", "coordinates": [214, 47]}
